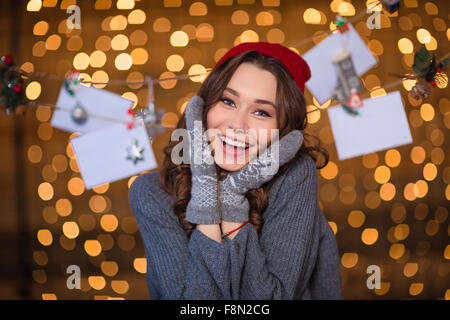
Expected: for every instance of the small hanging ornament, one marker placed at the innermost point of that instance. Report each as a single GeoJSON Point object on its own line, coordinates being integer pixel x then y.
{"type": "Point", "coordinates": [421, 90]}
{"type": "Point", "coordinates": [72, 85]}
{"type": "Point", "coordinates": [135, 152]}
{"type": "Point", "coordinates": [355, 101]}
{"type": "Point", "coordinates": [18, 88]}
{"type": "Point", "coordinates": [79, 114]}
{"type": "Point", "coordinates": [8, 60]}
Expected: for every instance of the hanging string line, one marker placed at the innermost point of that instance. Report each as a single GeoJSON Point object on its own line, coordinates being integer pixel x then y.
{"type": "Point", "coordinates": [50, 76]}
{"type": "Point", "coordinates": [54, 107]}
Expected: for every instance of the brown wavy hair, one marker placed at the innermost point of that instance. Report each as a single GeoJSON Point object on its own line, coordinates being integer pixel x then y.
{"type": "Point", "coordinates": [291, 112]}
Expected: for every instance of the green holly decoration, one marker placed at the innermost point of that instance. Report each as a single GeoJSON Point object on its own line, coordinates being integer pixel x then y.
{"type": "Point", "coordinates": [341, 24]}
{"type": "Point", "coordinates": [11, 84]}
{"type": "Point", "coordinates": [72, 82]}
{"type": "Point", "coordinates": [425, 65]}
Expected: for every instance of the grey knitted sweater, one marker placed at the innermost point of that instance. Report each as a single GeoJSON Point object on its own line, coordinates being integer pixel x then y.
{"type": "Point", "coordinates": [295, 258]}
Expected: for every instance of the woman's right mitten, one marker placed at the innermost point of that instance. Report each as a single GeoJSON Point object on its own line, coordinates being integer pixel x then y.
{"type": "Point", "coordinates": [203, 206]}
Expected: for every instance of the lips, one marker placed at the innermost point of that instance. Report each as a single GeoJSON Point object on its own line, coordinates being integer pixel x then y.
{"type": "Point", "coordinates": [234, 142]}
{"type": "Point", "coordinates": [232, 151]}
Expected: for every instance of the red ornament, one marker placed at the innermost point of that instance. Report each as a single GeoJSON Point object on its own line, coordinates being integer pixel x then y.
{"type": "Point", "coordinates": [8, 60]}
{"type": "Point", "coordinates": [355, 101]}
{"type": "Point", "coordinates": [433, 83]}
{"type": "Point", "coordinates": [17, 88]}
{"type": "Point", "coordinates": [438, 69]}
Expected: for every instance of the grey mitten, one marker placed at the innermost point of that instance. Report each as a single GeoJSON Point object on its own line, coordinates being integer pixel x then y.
{"type": "Point", "coordinates": [203, 206]}
{"type": "Point", "coordinates": [235, 206]}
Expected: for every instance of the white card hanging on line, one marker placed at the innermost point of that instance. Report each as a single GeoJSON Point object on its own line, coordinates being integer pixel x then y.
{"type": "Point", "coordinates": [89, 100]}
{"type": "Point", "coordinates": [382, 124]}
{"type": "Point", "coordinates": [112, 154]}
{"type": "Point", "coordinates": [320, 60]}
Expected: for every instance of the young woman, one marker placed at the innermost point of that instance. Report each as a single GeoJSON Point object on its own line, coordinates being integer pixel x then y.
{"type": "Point", "coordinates": [193, 216]}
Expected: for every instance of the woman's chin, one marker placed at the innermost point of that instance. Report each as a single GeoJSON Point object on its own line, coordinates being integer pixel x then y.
{"type": "Point", "coordinates": [231, 167]}
{"type": "Point", "coordinates": [230, 163]}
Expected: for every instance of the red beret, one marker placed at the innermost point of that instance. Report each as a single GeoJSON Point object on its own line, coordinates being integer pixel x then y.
{"type": "Point", "coordinates": [295, 64]}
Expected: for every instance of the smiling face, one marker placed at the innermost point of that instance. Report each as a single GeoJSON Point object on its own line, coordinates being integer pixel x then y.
{"type": "Point", "coordinates": [243, 119]}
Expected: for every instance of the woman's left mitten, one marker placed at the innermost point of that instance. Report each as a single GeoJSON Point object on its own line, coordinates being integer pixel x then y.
{"type": "Point", "coordinates": [234, 204]}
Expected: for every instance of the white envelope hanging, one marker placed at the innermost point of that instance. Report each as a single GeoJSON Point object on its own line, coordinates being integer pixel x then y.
{"type": "Point", "coordinates": [103, 155]}
{"type": "Point", "coordinates": [382, 124]}
{"type": "Point", "coordinates": [110, 108]}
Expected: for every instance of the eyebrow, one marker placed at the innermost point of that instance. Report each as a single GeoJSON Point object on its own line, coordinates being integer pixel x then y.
{"type": "Point", "coordinates": [234, 92]}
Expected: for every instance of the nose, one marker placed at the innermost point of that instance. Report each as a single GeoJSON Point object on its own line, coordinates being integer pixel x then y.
{"type": "Point", "coordinates": [238, 123]}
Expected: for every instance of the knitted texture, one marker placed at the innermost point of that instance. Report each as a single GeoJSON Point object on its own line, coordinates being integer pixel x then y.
{"type": "Point", "coordinates": [235, 206]}
{"type": "Point", "coordinates": [203, 206]}
{"type": "Point", "coordinates": [296, 65]}
{"type": "Point", "coordinates": [296, 256]}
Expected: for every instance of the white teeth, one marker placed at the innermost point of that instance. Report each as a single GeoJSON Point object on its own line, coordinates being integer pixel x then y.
{"type": "Point", "coordinates": [233, 142]}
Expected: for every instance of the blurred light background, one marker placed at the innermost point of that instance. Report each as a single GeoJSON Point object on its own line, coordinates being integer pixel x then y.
{"type": "Point", "coordinates": [388, 208]}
